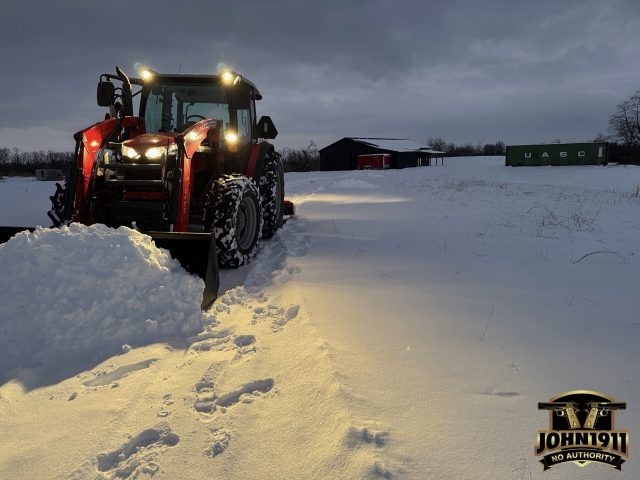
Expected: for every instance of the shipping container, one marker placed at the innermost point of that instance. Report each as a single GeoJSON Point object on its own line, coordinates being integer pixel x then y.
{"type": "Point", "coordinates": [557, 154]}
{"type": "Point", "coordinates": [374, 162]}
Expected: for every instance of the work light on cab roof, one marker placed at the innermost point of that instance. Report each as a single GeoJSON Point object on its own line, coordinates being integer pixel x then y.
{"type": "Point", "coordinates": [229, 78]}
{"type": "Point", "coordinates": [146, 74]}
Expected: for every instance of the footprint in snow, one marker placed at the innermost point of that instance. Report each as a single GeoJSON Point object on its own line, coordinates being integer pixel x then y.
{"type": "Point", "coordinates": [289, 314]}
{"type": "Point", "coordinates": [134, 458]}
{"type": "Point", "coordinates": [207, 401]}
{"type": "Point", "coordinates": [247, 393]}
{"type": "Point", "coordinates": [106, 377]}
{"type": "Point", "coordinates": [278, 316]}
{"type": "Point", "coordinates": [210, 340]}
{"type": "Point", "coordinates": [371, 435]}
{"type": "Point", "coordinates": [218, 442]}
{"type": "Point", "coordinates": [167, 402]}
{"type": "Point", "coordinates": [244, 340]}
{"type": "Point", "coordinates": [205, 395]}
{"type": "Point", "coordinates": [246, 345]}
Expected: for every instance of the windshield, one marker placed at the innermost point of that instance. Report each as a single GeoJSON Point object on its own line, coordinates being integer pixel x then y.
{"type": "Point", "coordinates": [174, 108]}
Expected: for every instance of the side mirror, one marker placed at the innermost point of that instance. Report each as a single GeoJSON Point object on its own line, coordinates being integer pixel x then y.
{"type": "Point", "coordinates": [266, 128]}
{"type": "Point", "coordinates": [106, 90]}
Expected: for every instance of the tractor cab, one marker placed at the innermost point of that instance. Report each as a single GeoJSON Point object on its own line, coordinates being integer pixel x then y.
{"type": "Point", "coordinates": [172, 104]}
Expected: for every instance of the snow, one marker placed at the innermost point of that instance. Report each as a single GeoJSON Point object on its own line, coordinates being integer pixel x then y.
{"type": "Point", "coordinates": [352, 183]}
{"type": "Point", "coordinates": [90, 291]}
{"type": "Point", "coordinates": [404, 325]}
{"type": "Point", "coordinates": [25, 201]}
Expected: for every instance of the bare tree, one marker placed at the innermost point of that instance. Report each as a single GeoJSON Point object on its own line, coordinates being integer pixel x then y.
{"type": "Point", "coordinates": [5, 155]}
{"type": "Point", "coordinates": [624, 124]}
{"type": "Point", "coordinates": [437, 143]}
{"type": "Point", "coordinates": [301, 160]}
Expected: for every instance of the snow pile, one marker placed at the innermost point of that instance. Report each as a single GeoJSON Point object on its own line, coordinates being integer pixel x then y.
{"type": "Point", "coordinates": [90, 290]}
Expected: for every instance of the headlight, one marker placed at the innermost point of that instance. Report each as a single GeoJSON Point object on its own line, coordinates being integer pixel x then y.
{"type": "Point", "coordinates": [231, 137]}
{"type": "Point", "coordinates": [154, 153]}
{"type": "Point", "coordinates": [130, 152]}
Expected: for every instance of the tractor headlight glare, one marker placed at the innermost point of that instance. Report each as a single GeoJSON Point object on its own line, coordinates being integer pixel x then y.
{"type": "Point", "coordinates": [155, 153]}
{"type": "Point", "coordinates": [231, 137]}
{"type": "Point", "coordinates": [130, 152]}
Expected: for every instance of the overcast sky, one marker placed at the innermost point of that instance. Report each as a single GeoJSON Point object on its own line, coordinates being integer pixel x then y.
{"type": "Point", "coordinates": [468, 71]}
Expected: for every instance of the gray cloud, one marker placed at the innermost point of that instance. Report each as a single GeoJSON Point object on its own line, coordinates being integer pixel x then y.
{"type": "Point", "coordinates": [465, 70]}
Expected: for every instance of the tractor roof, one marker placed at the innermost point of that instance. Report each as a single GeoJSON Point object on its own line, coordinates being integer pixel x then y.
{"type": "Point", "coordinates": [194, 79]}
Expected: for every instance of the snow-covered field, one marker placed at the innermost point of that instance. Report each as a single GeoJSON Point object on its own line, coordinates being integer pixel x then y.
{"type": "Point", "coordinates": [404, 325]}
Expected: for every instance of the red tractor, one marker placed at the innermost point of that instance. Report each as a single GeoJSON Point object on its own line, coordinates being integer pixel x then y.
{"type": "Point", "coordinates": [193, 169]}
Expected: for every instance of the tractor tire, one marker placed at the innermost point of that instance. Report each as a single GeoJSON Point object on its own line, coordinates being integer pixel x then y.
{"type": "Point", "coordinates": [272, 194]}
{"type": "Point", "coordinates": [233, 213]}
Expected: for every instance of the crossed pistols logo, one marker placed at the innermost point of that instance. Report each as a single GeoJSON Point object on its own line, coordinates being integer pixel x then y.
{"type": "Point", "coordinates": [582, 430]}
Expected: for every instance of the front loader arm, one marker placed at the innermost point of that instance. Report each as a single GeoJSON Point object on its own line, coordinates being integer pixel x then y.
{"type": "Point", "coordinates": [89, 142]}
{"type": "Point", "coordinates": [188, 143]}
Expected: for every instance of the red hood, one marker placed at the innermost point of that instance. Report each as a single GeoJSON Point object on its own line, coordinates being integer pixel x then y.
{"type": "Point", "coordinates": [147, 140]}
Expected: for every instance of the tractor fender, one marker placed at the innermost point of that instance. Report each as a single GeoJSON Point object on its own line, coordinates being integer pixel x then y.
{"type": "Point", "coordinates": [255, 163]}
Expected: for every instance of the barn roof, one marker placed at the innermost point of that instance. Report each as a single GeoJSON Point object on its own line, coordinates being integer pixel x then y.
{"type": "Point", "coordinates": [394, 144]}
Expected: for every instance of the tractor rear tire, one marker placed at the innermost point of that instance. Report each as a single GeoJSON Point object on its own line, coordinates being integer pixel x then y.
{"type": "Point", "coordinates": [233, 213]}
{"type": "Point", "coordinates": [272, 193]}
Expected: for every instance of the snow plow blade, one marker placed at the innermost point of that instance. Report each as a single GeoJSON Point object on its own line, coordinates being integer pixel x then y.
{"type": "Point", "coordinates": [196, 252]}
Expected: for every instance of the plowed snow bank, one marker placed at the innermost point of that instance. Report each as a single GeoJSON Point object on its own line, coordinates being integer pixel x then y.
{"type": "Point", "coordinates": [90, 290]}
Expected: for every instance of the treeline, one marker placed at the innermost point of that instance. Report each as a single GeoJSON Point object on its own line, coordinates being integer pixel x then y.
{"type": "Point", "coordinates": [301, 159]}
{"type": "Point", "coordinates": [450, 149]}
{"type": "Point", "coordinates": [16, 162]}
